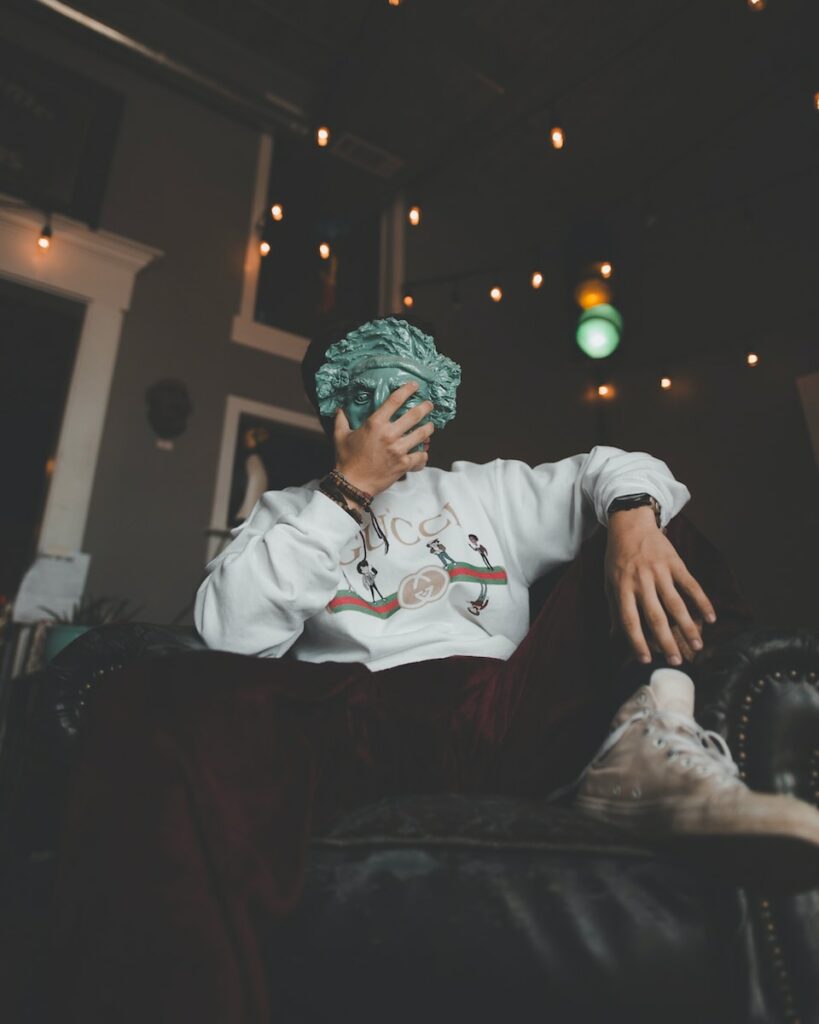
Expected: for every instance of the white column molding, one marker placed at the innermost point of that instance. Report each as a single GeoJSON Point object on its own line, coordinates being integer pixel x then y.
{"type": "Point", "coordinates": [245, 329]}
{"type": "Point", "coordinates": [96, 268]}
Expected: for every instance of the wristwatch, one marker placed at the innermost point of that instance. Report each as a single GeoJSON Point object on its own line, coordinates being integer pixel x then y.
{"type": "Point", "coordinates": [636, 501]}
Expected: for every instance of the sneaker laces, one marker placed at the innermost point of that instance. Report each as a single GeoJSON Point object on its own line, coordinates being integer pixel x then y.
{"type": "Point", "coordinates": [689, 747]}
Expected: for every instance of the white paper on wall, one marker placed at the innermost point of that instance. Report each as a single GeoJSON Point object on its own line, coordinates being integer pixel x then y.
{"type": "Point", "coordinates": [55, 582]}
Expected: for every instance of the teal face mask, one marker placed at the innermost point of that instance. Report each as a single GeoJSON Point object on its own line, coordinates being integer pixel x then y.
{"type": "Point", "coordinates": [365, 367]}
{"type": "Point", "coordinates": [371, 388]}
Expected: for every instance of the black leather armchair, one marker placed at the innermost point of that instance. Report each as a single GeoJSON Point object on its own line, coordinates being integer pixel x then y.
{"type": "Point", "coordinates": [451, 907]}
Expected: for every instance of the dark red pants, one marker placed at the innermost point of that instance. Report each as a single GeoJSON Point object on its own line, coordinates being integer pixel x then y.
{"type": "Point", "coordinates": [202, 776]}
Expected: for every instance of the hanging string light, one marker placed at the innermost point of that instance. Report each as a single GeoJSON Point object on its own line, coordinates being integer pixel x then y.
{"type": "Point", "coordinates": [408, 301]}
{"type": "Point", "coordinates": [44, 241]}
{"type": "Point", "coordinates": [665, 383]}
{"type": "Point", "coordinates": [414, 215]}
{"type": "Point", "coordinates": [556, 135]}
{"type": "Point", "coordinates": [606, 270]}
{"type": "Point", "coordinates": [757, 5]}
{"type": "Point", "coordinates": [536, 279]}
{"type": "Point", "coordinates": [277, 211]}
{"type": "Point", "coordinates": [395, 3]}
{"type": "Point", "coordinates": [323, 136]}
{"type": "Point", "coordinates": [264, 247]}
{"type": "Point", "coordinates": [324, 250]}
{"type": "Point", "coordinates": [496, 293]}
{"type": "Point", "coordinates": [605, 390]}
{"type": "Point", "coordinates": [752, 359]}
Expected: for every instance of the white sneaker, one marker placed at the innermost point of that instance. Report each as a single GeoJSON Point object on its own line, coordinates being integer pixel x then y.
{"type": "Point", "coordinates": [665, 780]}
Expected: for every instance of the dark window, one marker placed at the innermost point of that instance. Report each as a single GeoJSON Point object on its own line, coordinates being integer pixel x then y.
{"type": "Point", "coordinates": [38, 342]}
{"type": "Point", "coordinates": [324, 200]}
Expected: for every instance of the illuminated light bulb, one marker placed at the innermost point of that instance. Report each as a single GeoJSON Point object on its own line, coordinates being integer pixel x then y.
{"type": "Point", "coordinates": [599, 330]}
{"type": "Point", "coordinates": [44, 241]}
{"type": "Point", "coordinates": [276, 211]}
{"type": "Point", "coordinates": [408, 301]}
{"type": "Point", "coordinates": [395, 3]}
{"type": "Point", "coordinates": [605, 270]}
{"type": "Point", "coordinates": [665, 383]}
{"type": "Point", "coordinates": [537, 279]}
{"type": "Point", "coordinates": [323, 136]}
{"type": "Point", "coordinates": [264, 248]}
{"type": "Point", "coordinates": [816, 101]}
{"type": "Point", "coordinates": [605, 390]}
{"type": "Point", "coordinates": [414, 216]}
{"type": "Point", "coordinates": [757, 5]}
{"type": "Point", "coordinates": [752, 359]}
{"type": "Point", "coordinates": [592, 292]}
{"type": "Point", "coordinates": [557, 137]}
{"type": "Point", "coordinates": [324, 251]}
{"type": "Point", "coordinates": [495, 294]}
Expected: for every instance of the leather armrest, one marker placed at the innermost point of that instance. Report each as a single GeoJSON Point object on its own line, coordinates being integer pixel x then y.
{"type": "Point", "coordinates": [760, 690]}
{"type": "Point", "coordinates": [77, 670]}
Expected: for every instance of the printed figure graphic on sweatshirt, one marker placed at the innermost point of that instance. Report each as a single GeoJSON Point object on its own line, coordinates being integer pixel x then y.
{"type": "Point", "coordinates": [475, 544]}
{"type": "Point", "coordinates": [481, 601]}
{"type": "Point", "coordinates": [437, 548]}
{"type": "Point", "coordinates": [369, 573]}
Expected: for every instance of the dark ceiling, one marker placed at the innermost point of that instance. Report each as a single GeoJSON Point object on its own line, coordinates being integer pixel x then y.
{"type": "Point", "coordinates": [437, 84]}
{"type": "Point", "coordinates": [694, 109]}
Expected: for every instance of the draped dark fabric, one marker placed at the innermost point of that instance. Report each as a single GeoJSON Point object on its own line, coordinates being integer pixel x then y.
{"type": "Point", "coordinates": [201, 778]}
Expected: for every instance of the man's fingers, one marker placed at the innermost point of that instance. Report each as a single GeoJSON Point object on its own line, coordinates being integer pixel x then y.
{"type": "Point", "coordinates": [417, 461]}
{"type": "Point", "coordinates": [630, 618]}
{"type": "Point", "coordinates": [658, 622]}
{"type": "Point", "coordinates": [409, 441]}
{"type": "Point", "coordinates": [412, 416]}
{"type": "Point", "coordinates": [341, 428]}
{"type": "Point", "coordinates": [676, 607]}
{"type": "Point", "coordinates": [690, 585]}
{"type": "Point", "coordinates": [396, 399]}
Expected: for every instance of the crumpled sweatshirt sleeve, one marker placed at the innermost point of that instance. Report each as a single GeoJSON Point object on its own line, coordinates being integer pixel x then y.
{"type": "Point", "coordinates": [546, 512]}
{"type": "Point", "coordinates": [281, 568]}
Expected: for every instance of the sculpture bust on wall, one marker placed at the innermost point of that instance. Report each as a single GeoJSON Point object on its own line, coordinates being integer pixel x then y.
{"type": "Point", "coordinates": [169, 407]}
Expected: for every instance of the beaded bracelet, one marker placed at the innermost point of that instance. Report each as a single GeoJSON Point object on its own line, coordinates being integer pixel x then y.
{"type": "Point", "coordinates": [350, 490]}
{"type": "Point", "coordinates": [337, 484]}
{"type": "Point", "coordinates": [335, 495]}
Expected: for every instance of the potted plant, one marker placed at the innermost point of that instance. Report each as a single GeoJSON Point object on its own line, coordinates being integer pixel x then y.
{"type": "Point", "coordinates": [87, 613]}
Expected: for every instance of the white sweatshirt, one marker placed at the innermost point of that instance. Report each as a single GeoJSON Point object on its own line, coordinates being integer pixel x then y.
{"type": "Point", "coordinates": [292, 576]}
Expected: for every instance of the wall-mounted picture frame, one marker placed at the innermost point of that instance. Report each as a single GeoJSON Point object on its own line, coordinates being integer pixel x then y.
{"type": "Point", "coordinates": [264, 448]}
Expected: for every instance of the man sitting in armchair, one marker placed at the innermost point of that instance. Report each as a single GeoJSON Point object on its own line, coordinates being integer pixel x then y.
{"type": "Point", "coordinates": [326, 690]}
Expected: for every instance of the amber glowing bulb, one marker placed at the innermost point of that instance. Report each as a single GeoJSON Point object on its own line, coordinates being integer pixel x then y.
{"type": "Point", "coordinates": [264, 248]}
{"type": "Point", "coordinates": [537, 279]}
{"type": "Point", "coordinates": [557, 137]}
{"type": "Point", "coordinates": [665, 383]}
{"type": "Point", "coordinates": [408, 301]}
{"type": "Point", "coordinates": [324, 251]}
{"type": "Point", "coordinates": [323, 136]}
{"type": "Point", "coordinates": [752, 359]}
{"type": "Point", "coordinates": [277, 211]}
{"type": "Point", "coordinates": [495, 294]}
{"type": "Point", "coordinates": [414, 215]}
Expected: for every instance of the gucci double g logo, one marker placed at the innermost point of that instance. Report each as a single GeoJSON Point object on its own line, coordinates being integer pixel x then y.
{"type": "Point", "coordinates": [423, 587]}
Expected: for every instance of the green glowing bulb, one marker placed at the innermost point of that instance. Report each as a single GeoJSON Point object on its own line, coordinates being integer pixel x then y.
{"type": "Point", "coordinates": [598, 330]}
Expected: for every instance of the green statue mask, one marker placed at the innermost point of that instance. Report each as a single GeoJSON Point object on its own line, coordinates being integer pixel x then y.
{"type": "Point", "coordinates": [361, 371]}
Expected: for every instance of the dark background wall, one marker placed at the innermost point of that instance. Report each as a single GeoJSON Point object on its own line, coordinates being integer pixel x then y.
{"type": "Point", "coordinates": [182, 181]}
